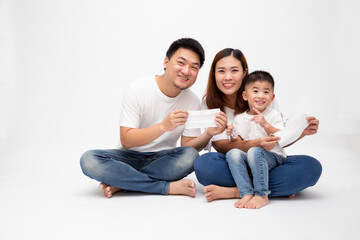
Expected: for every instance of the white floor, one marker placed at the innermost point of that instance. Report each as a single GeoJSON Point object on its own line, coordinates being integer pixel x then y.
{"type": "Point", "coordinates": [47, 197]}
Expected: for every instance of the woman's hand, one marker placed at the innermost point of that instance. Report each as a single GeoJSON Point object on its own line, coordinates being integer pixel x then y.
{"type": "Point", "coordinates": [221, 122]}
{"type": "Point", "coordinates": [313, 126]}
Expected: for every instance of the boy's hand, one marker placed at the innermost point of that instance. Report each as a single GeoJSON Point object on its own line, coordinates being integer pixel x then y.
{"type": "Point", "coordinates": [259, 118]}
{"type": "Point", "coordinates": [229, 129]}
{"type": "Point", "coordinates": [268, 143]}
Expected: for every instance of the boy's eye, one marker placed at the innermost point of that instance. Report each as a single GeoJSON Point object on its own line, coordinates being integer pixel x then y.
{"type": "Point", "coordinates": [181, 63]}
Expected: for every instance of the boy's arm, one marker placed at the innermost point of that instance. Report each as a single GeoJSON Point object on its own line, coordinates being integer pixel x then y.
{"type": "Point", "coordinates": [133, 137]}
{"type": "Point", "coordinates": [259, 118]}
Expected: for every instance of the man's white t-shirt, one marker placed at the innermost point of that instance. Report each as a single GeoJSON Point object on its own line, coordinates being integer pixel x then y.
{"type": "Point", "coordinates": [144, 105]}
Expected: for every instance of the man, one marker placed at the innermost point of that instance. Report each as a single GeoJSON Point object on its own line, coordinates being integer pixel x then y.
{"type": "Point", "coordinates": [153, 114]}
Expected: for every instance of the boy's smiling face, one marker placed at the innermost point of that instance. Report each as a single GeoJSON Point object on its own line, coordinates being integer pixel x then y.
{"type": "Point", "coordinates": [259, 95]}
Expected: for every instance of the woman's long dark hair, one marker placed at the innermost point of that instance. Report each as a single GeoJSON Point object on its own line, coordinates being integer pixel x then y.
{"type": "Point", "coordinates": [213, 97]}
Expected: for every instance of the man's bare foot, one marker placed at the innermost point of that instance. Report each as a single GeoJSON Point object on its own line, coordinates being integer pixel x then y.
{"type": "Point", "coordinates": [257, 202]}
{"type": "Point", "coordinates": [213, 192]}
{"type": "Point", "coordinates": [108, 190]}
{"type": "Point", "coordinates": [242, 202]}
{"type": "Point", "coordinates": [182, 187]}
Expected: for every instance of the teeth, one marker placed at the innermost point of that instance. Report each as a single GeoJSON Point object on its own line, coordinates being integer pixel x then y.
{"type": "Point", "coordinates": [228, 84]}
{"type": "Point", "coordinates": [184, 78]}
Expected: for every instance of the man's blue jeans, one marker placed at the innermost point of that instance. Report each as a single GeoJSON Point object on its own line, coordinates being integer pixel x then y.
{"type": "Point", "coordinates": [259, 162]}
{"type": "Point", "coordinates": [296, 173]}
{"type": "Point", "coordinates": [149, 172]}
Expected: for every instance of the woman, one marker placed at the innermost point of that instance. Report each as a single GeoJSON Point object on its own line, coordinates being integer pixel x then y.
{"type": "Point", "coordinates": [224, 91]}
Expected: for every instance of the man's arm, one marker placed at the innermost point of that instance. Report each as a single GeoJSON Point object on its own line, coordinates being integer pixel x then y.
{"type": "Point", "coordinates": [134, 137]}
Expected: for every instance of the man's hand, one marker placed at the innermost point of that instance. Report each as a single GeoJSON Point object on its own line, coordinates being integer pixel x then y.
{"type": "Point", "coordinates": [173, 120]}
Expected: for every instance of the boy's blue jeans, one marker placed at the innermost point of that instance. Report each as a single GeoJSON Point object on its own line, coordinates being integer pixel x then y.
{"type": "Point", "coordinates": [259, 162]}
{"type": "Point", "coordinates": [296, 173]}
{"type": "Point", "coordinates": [149, 172]}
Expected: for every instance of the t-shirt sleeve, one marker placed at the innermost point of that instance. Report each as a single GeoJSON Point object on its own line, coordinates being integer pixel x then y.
{"type": "Point", "coordinates": [130, 110]}
{"type": "Point", "coordinates": [277, 120]}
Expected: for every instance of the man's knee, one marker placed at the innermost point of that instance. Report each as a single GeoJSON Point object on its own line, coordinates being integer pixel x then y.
{"type": "Point", "coordinates": [188, 157]}
{"type": "Point", "coordinates": [88, 162]}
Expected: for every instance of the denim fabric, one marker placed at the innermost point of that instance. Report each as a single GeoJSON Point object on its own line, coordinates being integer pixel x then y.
{"type": "Point", "coordinates": [296, 173]}
{"type": "Point", "coordinates": [260, 162]}
{"type": "Point", "coordinates": [149, 172]}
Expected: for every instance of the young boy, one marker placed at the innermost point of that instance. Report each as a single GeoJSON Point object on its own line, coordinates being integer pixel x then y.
{"type": "Point", "coordinates": [258, 121]}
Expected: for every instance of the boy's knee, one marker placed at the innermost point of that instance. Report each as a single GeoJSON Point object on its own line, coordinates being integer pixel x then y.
{"type": "Point", "coordinates": [235, 155]}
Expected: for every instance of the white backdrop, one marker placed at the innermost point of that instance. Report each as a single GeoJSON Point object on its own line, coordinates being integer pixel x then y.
{"type": "Point", "coordinates": [64, 66]}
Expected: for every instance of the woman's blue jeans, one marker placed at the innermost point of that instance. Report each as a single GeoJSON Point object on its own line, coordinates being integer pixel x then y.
{"type": "Point", "coordinates": [251, 170]}
{"type": "Point", "coordinates": [149, 172]}
{"type": "Point", "coordinates": [296, 173]}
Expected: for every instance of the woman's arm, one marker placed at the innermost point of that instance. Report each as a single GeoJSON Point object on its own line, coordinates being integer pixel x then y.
{"type": "Point", "coordinates": [223, 146]}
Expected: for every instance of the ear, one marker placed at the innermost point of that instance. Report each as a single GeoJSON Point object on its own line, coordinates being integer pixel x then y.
{"type": "Point", "coordinates": [273, 97]}
{"type": "Point", "coordinates": [165, 63]}
{"type": "Point", "coordinates": [244, 95]}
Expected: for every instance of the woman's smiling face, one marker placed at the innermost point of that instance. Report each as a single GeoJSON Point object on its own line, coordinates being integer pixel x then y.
{"type": "Point", "coordinates": [229, 75]}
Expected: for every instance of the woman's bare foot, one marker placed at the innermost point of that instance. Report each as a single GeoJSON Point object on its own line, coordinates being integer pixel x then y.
{"type": "Point", "coordinates": [213, 192]}
{"type": "Point", "coordinates": [257, 202]}
{"type": "Point", "coordinates": [108, 190]}
{"type": "Point", "coordinates": [182, 187]}
{"type": "Point", "coordinates": [242, 202]}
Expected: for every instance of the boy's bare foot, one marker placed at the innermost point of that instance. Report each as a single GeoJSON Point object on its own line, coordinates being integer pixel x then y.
{"type": "Point", "coordinates": [242, 202]}
{"type": "Point", "coordinates": [182, 187]}
{"type": "Point", "coordinates": [213, 192]}
{"type": "Point", "coordinates": [291, 196]}
{"type": "Point", "coordinates": [257, 202]}
{"type": "Point", "coordinates": [108, 190]}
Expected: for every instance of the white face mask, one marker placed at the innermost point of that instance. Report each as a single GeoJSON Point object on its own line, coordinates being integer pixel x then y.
{"type": "Point", "coordinates": [202, 119]}
{"type": "Point", "coordinates": [292, 131]}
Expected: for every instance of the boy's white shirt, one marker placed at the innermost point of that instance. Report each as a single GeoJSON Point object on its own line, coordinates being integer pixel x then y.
{"type": "Point", "coordinates": [248, 130]}
{"type": "Point", "coordinates": [230, 119]}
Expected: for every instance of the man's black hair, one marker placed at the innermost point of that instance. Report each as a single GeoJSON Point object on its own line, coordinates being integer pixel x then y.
{"type": "Point", "coordinates": [187, 43]}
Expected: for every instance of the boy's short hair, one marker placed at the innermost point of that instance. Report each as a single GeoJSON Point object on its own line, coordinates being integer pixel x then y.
{"type": "Point", "coordinates": [259, 76]}
{"type": "Point", "coordinates": [187, 43]}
